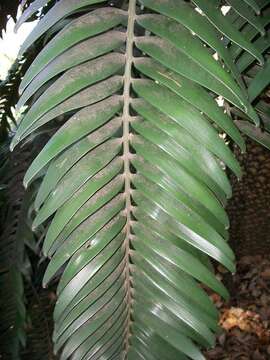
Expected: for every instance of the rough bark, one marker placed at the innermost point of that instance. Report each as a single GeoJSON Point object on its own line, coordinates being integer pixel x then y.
{"type": "Point", "coordinates": [249, 208]}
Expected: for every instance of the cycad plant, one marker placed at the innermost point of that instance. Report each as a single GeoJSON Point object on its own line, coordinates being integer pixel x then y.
{"type": "Point", "coordinates": [255, 76]}
{"type": "Point", "coordinates": [134, 180]}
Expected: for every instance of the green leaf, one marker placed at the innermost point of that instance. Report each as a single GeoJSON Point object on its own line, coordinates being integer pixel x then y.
{"type": "Point", "coordinates": [74, 210]}
{"type": "Point", "coordinates": [60, 10]}
{"type": "Point", "coordinates": [202, 156]}
{"type": "Point", "coordinates": [211, 11]}
{"type": "Point", "coordinates": [83, 170]}
{"type": "Point", "coordinates": [254, 5]}
{"type": "Point", "coordinates": [87, 26]}
{"type": "Point", "coordinates": [190, 46]}
{"type": "Point", "coordinates": [188, 117]}
{"type": "Point", "coordinates": [247, 14]}
{"type": "Point", "coordinates": [262, 137]}
{"type": "Point", "coordinates": [68, 84]}
{"type": "Point", "coordinates": [81, 99]}
{"type": "Point", "coordinates": [183, 13]}
{"type": "Point", "coordinates": [260, 81]}
{"type": "Point", "coordinates": [178, 61]}
{"type": "Point", "coordinates": [132, 180]}
{"type": "Point", "coordinates": [31, 10]}
{"type": "Point", "coordinates": [82, 123]}
{"type": "Point", "coordinates": [76, 55]}
{"type": "Point", "coordinates": [191, 92]}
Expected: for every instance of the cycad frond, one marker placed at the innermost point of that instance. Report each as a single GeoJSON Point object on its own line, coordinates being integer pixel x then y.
{"type": "Point", "coordinates": [134, 181]}
{"type": "Point", "coordinates": [15, 233]}
{"type": "Point", "coordinates": [257, 77]}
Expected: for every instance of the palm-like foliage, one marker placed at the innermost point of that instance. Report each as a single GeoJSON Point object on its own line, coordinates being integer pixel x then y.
{"type": "Point", "coordinates": [256, 77]}
{"type": "Point", "coordinates": [14, 229]}
{"type": "Point", "coordinates": [15, 220]}
{"type": "Point", "coordinates": [134, 180]}
{"type": "Point", "coordinates": [15, 233]}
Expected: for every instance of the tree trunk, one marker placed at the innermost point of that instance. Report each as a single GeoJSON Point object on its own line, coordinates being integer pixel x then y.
{"type": "Point", "coordinates": [249, 208]}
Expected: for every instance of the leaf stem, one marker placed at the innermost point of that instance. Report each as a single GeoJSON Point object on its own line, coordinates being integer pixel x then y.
{"type": "Point", "coordinates": [126, 137]}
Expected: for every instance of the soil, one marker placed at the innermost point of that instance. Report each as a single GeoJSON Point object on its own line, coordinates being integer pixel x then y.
{"type": "Point", "coordinates": [245, 319]}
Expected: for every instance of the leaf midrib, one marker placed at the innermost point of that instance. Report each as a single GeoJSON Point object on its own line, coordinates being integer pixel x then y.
{"type": "Point", "coordinates": [126, 141]}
